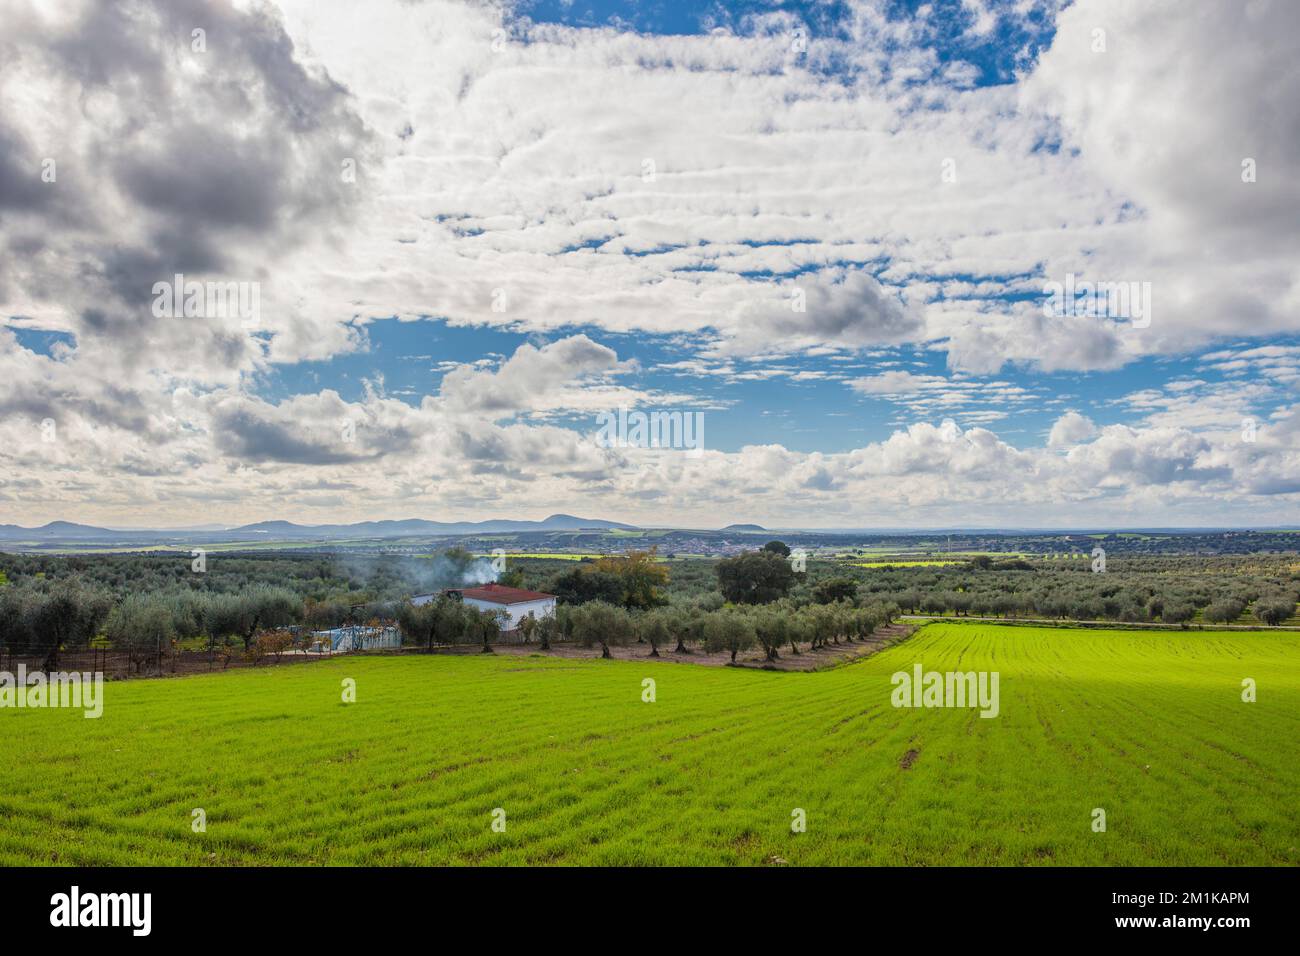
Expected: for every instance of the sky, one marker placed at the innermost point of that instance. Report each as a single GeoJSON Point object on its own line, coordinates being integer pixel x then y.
{"type": "Point", "coordinates": [836, 235]}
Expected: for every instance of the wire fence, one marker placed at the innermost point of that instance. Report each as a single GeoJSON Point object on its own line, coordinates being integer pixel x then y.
{"type": "Point", "coordinates": [117, 664]}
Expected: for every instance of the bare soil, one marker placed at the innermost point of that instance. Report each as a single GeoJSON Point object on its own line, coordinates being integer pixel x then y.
{"type": "Point", "coordinates": [119, 666]}
{"type": "Point", "coordinates": [806, 660]}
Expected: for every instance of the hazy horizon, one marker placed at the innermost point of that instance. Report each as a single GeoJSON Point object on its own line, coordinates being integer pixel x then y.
{"type": "Point", "coordinates": [877, 529]}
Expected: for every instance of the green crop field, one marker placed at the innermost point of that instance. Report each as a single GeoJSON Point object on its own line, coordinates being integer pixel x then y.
{"type": "Point", "coordinates": [905, 563]}
{"type": "Point", "coordinates": [1148, 726]}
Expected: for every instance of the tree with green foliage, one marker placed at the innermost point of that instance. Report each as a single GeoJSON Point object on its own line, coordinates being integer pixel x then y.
{"type": "Point", "coordinates": [652, 628]}
{"type": "Point", "coordinates": [834, 590]}
{"type": "Point", "coordinates": [679, 621]}
{"type": "Point", "coordinates": [142, 626]}
{"type": "Point", "coordinates": [728, 630]}
{"type": "Point", "coordinates": [454, 563]}
{"type": "Point", "coordinates": [798, 628]}
{"type": "Point", "coordinates": [584, 584]}
{"type": "Point", "coordinates": [440, 621]}
{"type": "Point", "coordinates": [823, 624]}
{"type": "Point", "coordinates": [16, 614]}
{"type": "Point", "coordinates": [778, 547]}
{"type": "Point", "coordinates": [641, 577]}
{"type": "Point", "coordinates": [598, 622]}
{"type": "Point", "coordinates": [910, 599]}
{"type": "Point", "coordinates": [547, 629]}
{"type": "Point", "coordinates": [1274, 609]}
{"type": "Point", "coordinates": [1223, 611]}
{"type": "Point", "coordinates": [511, 578]}
{"type": "Point", "coordinates": [771, 629]}
{"type": "Point", "coordinates": [324, 615]}
{"type": "Point", "coordinates": [487, 625]}
{"type": "Point", "coordinates": [755, 577]}
{"type": "Point", "coordinates": [68, 616]}
{"type": "Point", "coordinates": [242, 614]}
{"type": "Point", "coordinates": [186, 609]}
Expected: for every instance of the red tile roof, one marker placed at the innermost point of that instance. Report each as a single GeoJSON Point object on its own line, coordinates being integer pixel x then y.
{"type": "Point", "coordinates": [500, 594]}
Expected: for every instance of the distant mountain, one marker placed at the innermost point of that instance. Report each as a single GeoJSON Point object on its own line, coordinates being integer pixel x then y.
{"type": "Point", "coordinates": [270, 527]}
{"type": "Point", "coordinates": [570, 523]}
{"type": "Point", "coordinates": [57, 530]}
{"type": "Point", "coordinates": [277, 530]}
{"type": "Point", "coordinates": [743, 527]}
{"type": "Point", "coordinates": [415, 526]}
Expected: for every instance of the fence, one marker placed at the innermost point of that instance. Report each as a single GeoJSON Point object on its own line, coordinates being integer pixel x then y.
{"type": "Point", "coordinates": [115, 664]}
{"type": "Point", "coordinates": [357, 638]}
{"type": "Point", "coordinates": [118, 664]}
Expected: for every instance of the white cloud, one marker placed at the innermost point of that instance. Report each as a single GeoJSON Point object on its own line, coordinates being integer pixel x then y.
{"type": "Point", "coordinates": [1220, 253]}
{"type": "Point", "coordinates": [1070, 429]}
{"type": "Point", "coordinates": [895, 383]}
{"type": "Point", "coordinates": [510, 190]}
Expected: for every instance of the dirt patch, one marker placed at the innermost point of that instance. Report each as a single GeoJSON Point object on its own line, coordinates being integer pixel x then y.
{"type": "Point", "coordinates": [806, 660]}
{"type": "Point", "coordinates": [116, 665]}
{"type": "Point", "coordinates": [909, 758]}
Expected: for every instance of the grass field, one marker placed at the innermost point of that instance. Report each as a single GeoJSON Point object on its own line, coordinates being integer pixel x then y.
{"type": "Point", "coordinates": [550, 556]}
{"type": "Point", "coordinates": [905, 563]}
{"type": "Point", "coordinates": [1148, 726]}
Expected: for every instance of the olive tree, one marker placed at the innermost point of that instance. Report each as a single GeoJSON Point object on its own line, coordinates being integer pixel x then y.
{"type": "Point", "coordinates": [1223, 611]}
{"type": "Point", "coordinates": [486, 626]}
{"type": "Point", "coordinates": [69, 616]}
{"type": "Point", "coordinates": [17, 607]}
{"type": "Point", "coordinates": [241, 614]}
{"type": "Point", "coordinates": [652, 628]}
{"type": "Point", "coordinates": [547, 629]}
{"type": "Point", "coordinates": [600, 623]}
{"type": "Point", "coordinates": [1274, 609]}
{"type": "Point", "coordinates": [728, 630]}
{"type": "Point", "coordinates": [681, 627]}
{"type": "Point", "coordinates": [771, 629]}
{"type": "Point", "coordinates": [142, 626]}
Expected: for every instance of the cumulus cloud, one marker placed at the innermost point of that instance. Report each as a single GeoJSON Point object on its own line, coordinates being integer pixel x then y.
{"type": "Point", "coordinates": [387, 162]}
{"type": "Point", "coordinates": [894, 383]}
{"type": "Point", "coordinates": [319, 429]}
{"type": "Point", "coordinates": [847, 309]}
{"type": "Point", "coordinates": [177, 159]}
{"type": "Point", "coordinates": [1211, 182]}
{"type": "Point", "coordinates": [975, 401]}
{"type": "Point", "coordinates": [528, 379]}
{"type": "Point", "coordinates": [128, 156]}
{"type": "Point", "coordinates": [1070, 429]}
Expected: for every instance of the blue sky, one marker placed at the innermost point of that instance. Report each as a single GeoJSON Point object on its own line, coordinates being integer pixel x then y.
{"type": "Point", "coordinates": [829, 228]}
{"type": "Point", "coordinates": [410, 360]}
{"type": "Point", "coordinates": [806, 415]}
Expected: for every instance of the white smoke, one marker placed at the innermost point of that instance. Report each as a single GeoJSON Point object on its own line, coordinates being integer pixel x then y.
{"type": "Point", "coordinates": [482, 571]}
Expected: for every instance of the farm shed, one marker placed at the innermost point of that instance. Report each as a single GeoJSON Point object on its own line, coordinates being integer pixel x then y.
{"type": "Point", "coordinates": [359, 638]}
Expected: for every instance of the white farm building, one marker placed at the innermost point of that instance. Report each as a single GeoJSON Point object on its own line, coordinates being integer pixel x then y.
{"type": "Point", "coordinates": [516, 602]}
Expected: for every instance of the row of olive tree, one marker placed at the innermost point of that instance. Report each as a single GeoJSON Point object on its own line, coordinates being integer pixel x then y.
{"type": "Point", "coordinates": [1094, 598]}
{"type": "Point", "coordinates": [446, 620]}
{"type": "Point", "coordinates": [730, 629]}
{"type": "Point", "coordinates": [43, 622]}
{"type": "Point", "coordinates": [69, 616]}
